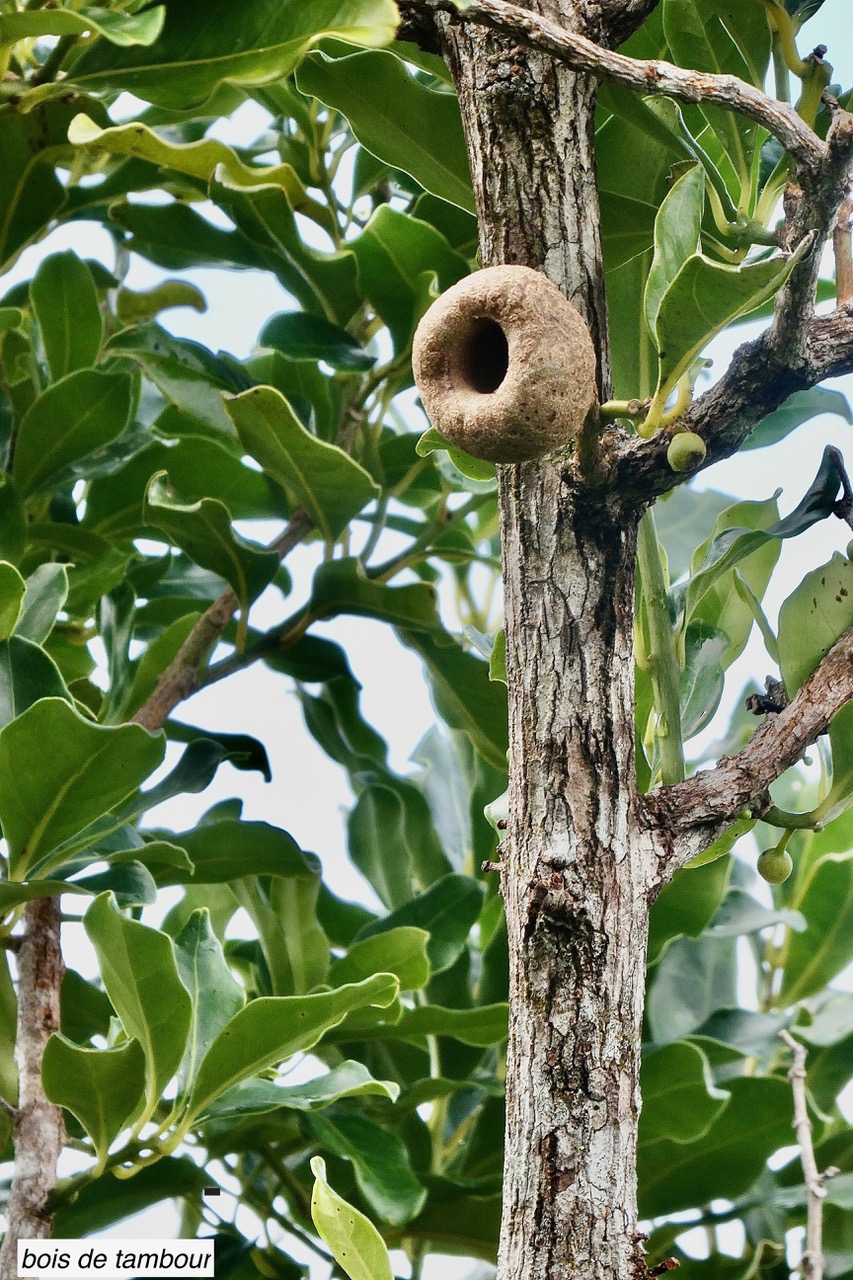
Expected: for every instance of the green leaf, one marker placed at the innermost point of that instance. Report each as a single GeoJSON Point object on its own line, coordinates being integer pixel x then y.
{"type": "Point", "coordinates": [474, 468]}
{"type": "Point", "coordinates": [214, 993]}
{"type": "Point", "coordinates": [316, 476]}
{"type": "Point", "coordinates": [301, 336]}
{"type": "Point", "coordinates": [108, 1200]}
{"type": "Point", "coordinates": [398, 256]}
{"type": "Point", "coordinates": [12, 589]}
{"type": "Point", "coordinates": [677, 229]}
{"type": "Point", "coordinates": [383, 1172]}
{"type": "Point", "coordinates": [294, 946]}
{"type": "Point", "coordinates": [254, 1097]}
{"type": "Point", "coordinates": [134, 307]}
{"type": "Point", "coordinates": [48, 797]}
{"type": "Point", "coordinates": [740, 913]}
{"type": "Point", "coordinates": [189, 377]}
{"type": "Point", "coordinates": [123, 29]}
{"type": "Point", "coordinates": [694, 978]}
{"type": "Point", "coordinates": [26, 675]}
{"type": "Point", "coordinates": [480, 1027]}
{"type": "Point", "coordinates": [680, 1101]}
{"type": "Point", "coordinates": [46, 593]}
{"type": "Point", "coordinates": [401, 951]}
{"type": "Point", "coordinates": [726, 1160]}
{"type": "Point", "coordinates": [199, 159]}
{"type": "Point", "coordinates": [101, 1087]}
{"type": "Point", "coordinates": [702, 681]}
{"type": "Point", "coordinates": [447, 910]}
{"type": "Point", "coordinates": [686, 905]}
{"type": "Point", "coordinates": [356, 1245]}
{"type": "Point", "coordinates": [380, 845]}
{"type": "Point", "coordinates": [271, 1029]}
{"type": "Point", "coordinates": [816, 955]}
{"type": "Point", "coordinates": [65, 304]}
{"type": "Point", "coordinates": [229, 848]}
{"type": "Point", "coordinates": [249, 46]}
{"type": "Point", "coordinates": [814, 616]}
{"type": "Point", "coordinates": [203, 531]}
{"type": "Point", "coordinates": [141, 978]}
{"type": "Point", "coordinates": [397, 118]}
{"type": "Point", "coordinates": [31, 143]}
{"type": "Point", "coordinates": [801, 407]}
{"type": "Point", "coordinates": [73, 418]}
{"type": "Point", "coordinates": [703, 298]}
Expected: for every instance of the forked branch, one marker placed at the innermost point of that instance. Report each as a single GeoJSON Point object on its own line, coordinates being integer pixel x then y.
{"type": "Point", "coordinates": [581, 54]}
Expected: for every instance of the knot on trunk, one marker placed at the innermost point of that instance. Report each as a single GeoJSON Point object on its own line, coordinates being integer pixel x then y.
{"type": "Point", "coordinates": [505, 365]}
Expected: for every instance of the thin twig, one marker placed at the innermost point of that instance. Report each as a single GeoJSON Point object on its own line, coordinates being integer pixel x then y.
{"type": "Point", "coordinates": [812, 1261]}
{"type": "Point", "coordinates": [10, 1111]}
{"type": "Point", "coordinates": [181, 679]}
{"type": "Point", "coordinates": [726, 92]}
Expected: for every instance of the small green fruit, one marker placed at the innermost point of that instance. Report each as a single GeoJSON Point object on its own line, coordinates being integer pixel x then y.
{"type": "Point", "coordinates": [850, 549]}
{"type": "Point", "coordinates": [686, 451]}
{"type": "Point", "coordinates": [775, 865]}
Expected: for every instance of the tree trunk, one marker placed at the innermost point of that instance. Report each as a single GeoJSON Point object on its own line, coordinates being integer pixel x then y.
{"type": "Point", "coordinates": [38, 1130]}
{"type": "Point", "coordinates": [575, 888]}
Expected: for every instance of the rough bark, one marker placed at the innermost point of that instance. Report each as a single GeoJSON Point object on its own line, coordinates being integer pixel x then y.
{"type": "Point", "coordinates": [38, 1131]}
{"type": "Point", "coordinates": [574, 888]}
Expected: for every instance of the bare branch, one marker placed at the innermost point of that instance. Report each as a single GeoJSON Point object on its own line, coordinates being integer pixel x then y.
{"type": "Point", "coordinates": [181, 679]}
{"type": "Point", "coordinates": [726, 92]}
{"type": "Point", "coordinates": [812, 1263]}
{"type": "Point", "coordinates": [685, 819]}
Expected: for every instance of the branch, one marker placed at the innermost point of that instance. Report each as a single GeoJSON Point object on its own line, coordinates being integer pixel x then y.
{"type": "Point", "coordinates": [685, 819]}
{"type": "Point", "coordinates": [182, 678]}
{"type": "Point", "coordinates": [812, 1262]}
{"type": "Point", "coordinates": [38, 1131]}
{"type": "Point", "coordinates": [615, 20]}
{"type": "Point", "coordinates": [755, 384]}
{"type": "Point", "coordinates": [726, 92]}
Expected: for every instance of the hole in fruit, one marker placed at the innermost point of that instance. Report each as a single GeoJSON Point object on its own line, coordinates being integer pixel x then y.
{"type": "Point", "coordinates": [485, 357]}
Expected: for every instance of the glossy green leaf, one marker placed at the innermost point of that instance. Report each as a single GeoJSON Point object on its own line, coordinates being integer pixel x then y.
{"type": "Point", "coordinates": [215, 994]}
{"type": "Point", "coordinates": [101, 1087]}
{"type": "Point", "coordinates": [141, 978]}
{"type": "Point", "coordinates": [204, 532]}
{"type": "Point", "coordinates": [703, 298]}
{"type": "Point", "coordinates": [227, 849]}
{"type": "Point", "coordinates": [46, 593]}
{"type": "Point", "coordinates": [729, 1157]}
{"type": "Point", "coordinates": [383, 1172]}
{"type": "Point", "coordinates": [249, 46]}
{"type": "Point", "coordinates": [816, 955]}
{"type": "Point", "coordinates": [295, 948]}
{"type": "Point", "coordinates": [12, 589]}
{"type": "Point", "coordinates": [301, 336]}
{"type": "Point", "coordinates": [702, 681]}
{"type": "Point", "coordinates": [31, 143]}
{"type": "Point", "coordinates": [65, 304]}
{"type": "Point", "coordinates": [480, 1027]}
{"type": "Point", "coordinates": [447, 910]}
{"type": "Point", "coordinates": [349, 1080]}
{"type": "Point", "coordinates": [48, 797]}
{"type": "Point", "coordinates": [189, 377]}
{"type": "Point", "coordinates": [687, 904]}
{"type": "Point", "coordinates": [694, 978]}
{"type": "Point", "coordinates": [380, 844]}
{"type": "Point", "coordinates": [355, 1243]}
{"type": "Point", "coordinates": [26, 675]}
{"type": "Point", "coordinates": [474, 468]}
{"type": "Point", "coordinates": [198, 159]}
{"type": "Point", "coordinates": [316, 476]}
{"type": "Point", "coordinates": [401, 951]}
{"type": "Point", "coordinates": [397, 255]}
{"type": "Point", "coordinates": [676, 239]}
{"type": "Point", "coordinates": [680, 1101]}
{"type": "Point", "coordinates": [396, 117]}
{"type": "Point", "coordinates": [740, 913]}
{"type": "Point", "coordinates": [72, 419]}
{"type": "Point", "coordinates": [814, 616]}
{"type": "Point", "coordinates": [137, 307]}
{"type": "Point", "coordinates": [108, 1200]}
{"type": "Point", "coordinates": [801, 407]}
{"type": "Point", "coordinates": [118, 28]}
{"type": "Point", "coordinates": [271, 1029]}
